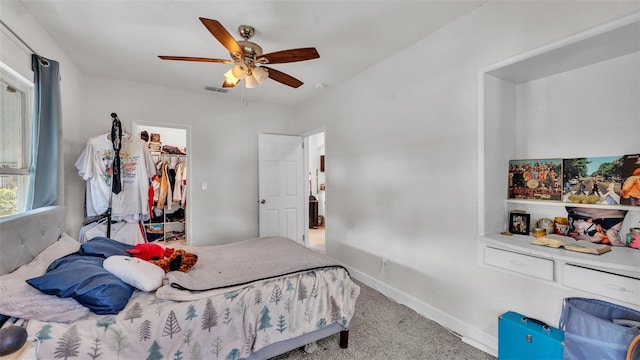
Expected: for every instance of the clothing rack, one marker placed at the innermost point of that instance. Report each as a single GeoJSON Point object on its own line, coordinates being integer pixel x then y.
{"type": "Point", "coordinates": [116, 139]}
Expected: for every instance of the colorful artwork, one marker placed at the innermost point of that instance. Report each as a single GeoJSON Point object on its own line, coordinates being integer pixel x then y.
{"type": "Point", "coordinates": [539, 179]}
{"type": "Point", "coordinates": [630, 192]}
{"type": "Point", "coordinates": [592, 180]}
{"type": "Point", "coordinates": [602, 226]}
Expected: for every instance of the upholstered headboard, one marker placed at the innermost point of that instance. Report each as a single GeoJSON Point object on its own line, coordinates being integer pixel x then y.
{"type": "Point", "coordinates": [25, 235]}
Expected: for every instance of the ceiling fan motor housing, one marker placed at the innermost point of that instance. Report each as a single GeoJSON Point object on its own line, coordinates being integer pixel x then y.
{"type": "Point", "coordinates": [251, 50]}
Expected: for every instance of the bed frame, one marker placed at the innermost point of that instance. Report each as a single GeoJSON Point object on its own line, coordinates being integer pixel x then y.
{"type": "Point", "coordinates": [25, 235]}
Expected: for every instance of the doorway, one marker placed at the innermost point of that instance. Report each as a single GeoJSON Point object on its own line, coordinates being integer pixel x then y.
{"type": "Point", "coordinates": [291, 187]}
{"type": "Point", "coordinates": [281, 186]}
{"type": "Point", "coordinates": [317, 191]}
{"type": "Point", "coordinates": [168, 145]}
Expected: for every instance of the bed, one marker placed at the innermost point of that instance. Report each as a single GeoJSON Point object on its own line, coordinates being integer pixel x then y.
{"type": "Point", "coordinates": [215, 310]}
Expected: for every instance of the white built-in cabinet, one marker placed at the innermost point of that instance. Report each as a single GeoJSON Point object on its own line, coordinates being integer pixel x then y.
{"type": "Point", "coordinates": [579, 97]}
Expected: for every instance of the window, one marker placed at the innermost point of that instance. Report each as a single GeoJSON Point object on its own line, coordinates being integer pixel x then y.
{"type": "Point", "coordinates": [16, 93]}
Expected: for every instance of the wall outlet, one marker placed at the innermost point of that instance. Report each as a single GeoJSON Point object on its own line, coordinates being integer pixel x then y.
{"type": "Point", "coordinates": [204, 185]}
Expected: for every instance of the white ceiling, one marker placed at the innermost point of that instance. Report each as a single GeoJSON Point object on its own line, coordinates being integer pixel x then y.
{"type": "Point", "coordinates": [122, 39]}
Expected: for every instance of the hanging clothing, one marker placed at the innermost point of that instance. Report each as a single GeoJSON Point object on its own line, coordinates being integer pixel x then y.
{"type": "Point", "coordinates": [178, 188]}
{"type": "Point", "coordinates": [95, 166]}
{"type": "Point", "coordinates": [165, 195]}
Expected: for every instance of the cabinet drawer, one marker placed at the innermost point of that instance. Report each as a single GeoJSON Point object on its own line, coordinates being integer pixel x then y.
{"type": "Point", "coordinates": [602, 283]}
{"type": "Point", "coordinates": [520, 263]}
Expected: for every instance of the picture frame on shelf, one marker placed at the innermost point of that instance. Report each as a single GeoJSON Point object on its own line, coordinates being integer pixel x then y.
{"type": "Point", "coordinates": [535, 179]}
{"type": "Point", "coordinates": [592, 180]}
{"type": "Point", "coordinates": [630, 180]}
{"type": "Point", "coordinates": [519, 223]}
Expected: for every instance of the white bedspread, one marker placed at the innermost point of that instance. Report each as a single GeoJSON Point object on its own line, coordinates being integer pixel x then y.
{"type": "Point", "coordinates": [230, 325]}
{"type": "Point", "coordinates": [246, 261]}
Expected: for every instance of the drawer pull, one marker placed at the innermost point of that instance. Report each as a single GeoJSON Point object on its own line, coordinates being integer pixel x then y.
{"type": "Point", "coordinates": [516, 262]}
{"type": "Point", "coordinates": [616, 287]}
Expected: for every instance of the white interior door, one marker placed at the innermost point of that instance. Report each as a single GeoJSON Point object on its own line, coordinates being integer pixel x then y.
{"type": "Point", "coordinates": [281, 186]}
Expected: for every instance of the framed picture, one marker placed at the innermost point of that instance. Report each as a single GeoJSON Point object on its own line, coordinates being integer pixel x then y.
{"type": "Point", "coordinates": [630, 181]}
{"type": "Point", "coordinates": [519, 223]}
{"type": "Point", "coordinates": [535, 179]}
{"type": "Point", "coordinates": [597, 225]}
{"type": "Point", "coordinates": [593, 180]}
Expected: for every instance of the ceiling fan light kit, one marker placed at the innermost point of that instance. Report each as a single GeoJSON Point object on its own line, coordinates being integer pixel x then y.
{"type": "Point", "coordinates": [248, 58]}
{"type": "Point", "coordinates": [260, 74]}
{"type": "Point", "coordinates": [239, 70]}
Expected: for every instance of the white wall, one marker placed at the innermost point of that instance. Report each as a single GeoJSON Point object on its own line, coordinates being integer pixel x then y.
{"type": "Point", "coordinates": [604, 116]}
{"type": "Point", "coordinates": [19, 58]}
{"type": "Point", "coordinates": [223, 149]}
{"type": "Point", "coordinates": [403, 168]}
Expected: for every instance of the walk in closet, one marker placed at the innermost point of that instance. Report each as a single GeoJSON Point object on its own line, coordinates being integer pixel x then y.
{"type": "Point", "coordinates": [168, 206]}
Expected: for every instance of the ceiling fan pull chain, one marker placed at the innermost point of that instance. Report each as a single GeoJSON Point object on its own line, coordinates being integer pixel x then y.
{"type": "Point", "coordinates": [244, 94]}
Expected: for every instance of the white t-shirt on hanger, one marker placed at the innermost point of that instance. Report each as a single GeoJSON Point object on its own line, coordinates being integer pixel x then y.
{"type": "Point", "coordinates": [95, 166]}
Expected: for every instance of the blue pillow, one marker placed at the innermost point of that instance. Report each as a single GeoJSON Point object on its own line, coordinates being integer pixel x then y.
{"type": "Point", "coordinates": [84, 279]}
{"type": "Point", "coordinates": [104, 247]}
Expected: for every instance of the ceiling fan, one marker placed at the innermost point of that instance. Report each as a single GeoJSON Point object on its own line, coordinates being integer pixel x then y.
{"type": "Point", "coordinates": [249, 63]}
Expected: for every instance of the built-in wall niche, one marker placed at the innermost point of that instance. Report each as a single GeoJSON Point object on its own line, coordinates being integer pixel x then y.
{"type": "Point", "coordinates": [577, 97]}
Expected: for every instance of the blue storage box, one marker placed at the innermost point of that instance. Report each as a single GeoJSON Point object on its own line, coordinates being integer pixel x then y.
{"type": "Point", "coordinates": [523, 338]}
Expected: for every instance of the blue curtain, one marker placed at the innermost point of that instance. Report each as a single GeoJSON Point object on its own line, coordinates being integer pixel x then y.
{"type": "Point", "coordinates": [43, 165]}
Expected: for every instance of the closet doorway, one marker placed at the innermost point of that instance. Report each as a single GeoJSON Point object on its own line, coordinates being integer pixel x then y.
{"type": "Point", "coordinates": [168, 146]}
{"type": "Point", "coordinates": [315, 146]}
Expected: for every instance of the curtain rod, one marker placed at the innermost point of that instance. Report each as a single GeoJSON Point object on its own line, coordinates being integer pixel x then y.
{"type": "Point", "coordinates": [19, 38]}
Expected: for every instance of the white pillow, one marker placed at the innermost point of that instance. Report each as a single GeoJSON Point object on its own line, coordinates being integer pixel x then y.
{"type": "Point", "coordinates": [64, 246]}
{"type": "Point", "coordinates": [21, 300]}
{"type": "Point", "coordinates": [138, 273]}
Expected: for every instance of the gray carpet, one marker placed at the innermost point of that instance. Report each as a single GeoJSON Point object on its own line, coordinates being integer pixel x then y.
{"type": "Point", "coordinates": [385, 330]}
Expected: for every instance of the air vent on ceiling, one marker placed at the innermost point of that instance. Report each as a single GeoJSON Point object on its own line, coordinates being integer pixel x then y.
{"type": "Point", "coordinates": [217, 89]}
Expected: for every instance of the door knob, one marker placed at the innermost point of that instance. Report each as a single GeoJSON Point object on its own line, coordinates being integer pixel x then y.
{"type": "Point", "coordinates": [263, 201]}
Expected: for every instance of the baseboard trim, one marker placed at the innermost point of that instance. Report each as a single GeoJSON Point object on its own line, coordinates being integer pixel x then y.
{"type": "Point", "coordinates": [470, 334]}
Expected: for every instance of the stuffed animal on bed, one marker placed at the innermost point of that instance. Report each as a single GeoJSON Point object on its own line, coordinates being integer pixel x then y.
{"type": "Point", "coordinates": [180, 260]}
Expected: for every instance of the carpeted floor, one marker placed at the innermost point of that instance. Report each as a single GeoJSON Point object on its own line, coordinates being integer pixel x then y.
{"type": "Point", "coordinates": [316, 239]}
{"type": "Point", "coordinates": [385, 330]}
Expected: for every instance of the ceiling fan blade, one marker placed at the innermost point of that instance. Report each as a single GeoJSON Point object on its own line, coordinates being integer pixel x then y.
{"type": "Point", "coordinates": [287, 56]}
{"type": "Point", "coordinates": [283, 78]}
{"type": "Point", "coordinates": [219, 32]}
{"type": "Point", "coordinates": [196, 59]}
